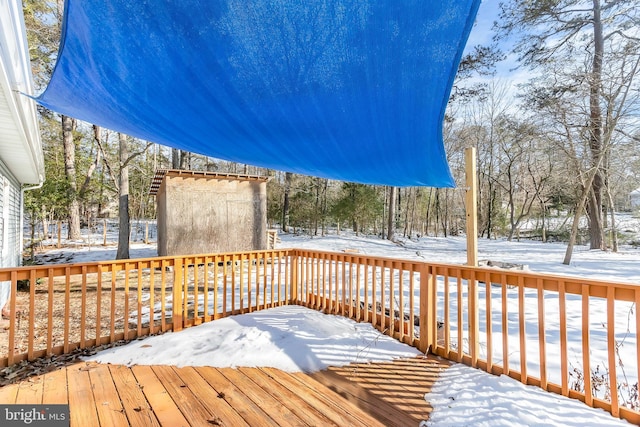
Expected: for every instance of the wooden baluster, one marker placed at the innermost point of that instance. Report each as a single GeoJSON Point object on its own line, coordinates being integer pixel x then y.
{"type": "Point", "coordinates": [611, 350]}
{"type": "Point", "coordinates": [541, 336]}
{"type": "Point", "coordinates": [522, 331]}
{"type": "Point", "coordinates": [586, 364]}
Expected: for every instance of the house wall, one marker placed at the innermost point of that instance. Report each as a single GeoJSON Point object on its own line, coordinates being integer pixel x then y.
{"type": "Point", "coordinates": [10, 222]}
{"type": "Point", "coordinates": [199, 214]}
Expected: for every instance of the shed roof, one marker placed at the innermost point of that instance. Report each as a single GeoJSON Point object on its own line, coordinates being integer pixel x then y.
{"type": "Point", "coordinates": [161, 173]}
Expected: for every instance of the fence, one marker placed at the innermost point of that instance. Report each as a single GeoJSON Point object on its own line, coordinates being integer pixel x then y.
{"type": "Point", "coordinates": [570, 336]}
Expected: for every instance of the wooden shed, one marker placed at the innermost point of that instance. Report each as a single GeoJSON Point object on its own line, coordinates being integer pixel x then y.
{"type": "Point", "coordinates": [206, 212]}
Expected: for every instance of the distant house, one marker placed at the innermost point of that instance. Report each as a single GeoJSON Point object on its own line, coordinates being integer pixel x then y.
{"type": "Point", "coordinates": [206, 212]}
{"type": "Point", "coordinates": [634, 198]}
{"type": "Point", "coordinates": [21, 157]}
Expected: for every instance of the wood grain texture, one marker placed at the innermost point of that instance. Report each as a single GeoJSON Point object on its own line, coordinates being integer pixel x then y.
{"type": "Point", "coordinates": [376, 394]}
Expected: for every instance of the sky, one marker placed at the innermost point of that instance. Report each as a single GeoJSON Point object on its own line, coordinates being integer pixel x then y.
{"type": "Point", "coordinates": [507, 71]}
{"type": "Point", "coordinates": [481, 32]}
{"type": "Point", "coordinates": [298, 339]}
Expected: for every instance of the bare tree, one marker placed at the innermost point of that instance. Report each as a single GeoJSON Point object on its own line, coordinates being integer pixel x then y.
{"type": "Point", "coordinates": [123, 198]}
{"type": "Point", "coordinates": [288, 177]}
{"type": "Point", "coordinates": [576, 45]}
{"type": "Point", "coordinates": [391, 220]}
{"type": "Point", "coordinates": [68, 126]}
{"type": "Point", "coordinates": [522, 176]}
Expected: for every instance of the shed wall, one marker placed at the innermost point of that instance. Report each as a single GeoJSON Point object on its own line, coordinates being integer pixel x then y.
{"type": "Point", "coordinates": [161, 216]}
{"type": "Point", "coordinates": [210, 215]}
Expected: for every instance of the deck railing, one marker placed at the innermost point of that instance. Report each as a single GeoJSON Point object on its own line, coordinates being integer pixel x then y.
{"type": "Point", "coordinates": [65, 307]}
{"type": "Point", "coordinates": [546, 331]}
{"type": "Point", "coordinates": [542, 330]}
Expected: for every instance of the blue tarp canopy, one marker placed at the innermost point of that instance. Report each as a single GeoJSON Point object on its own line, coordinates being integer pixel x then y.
{"type": "Point", "coordinates": [353, 90]}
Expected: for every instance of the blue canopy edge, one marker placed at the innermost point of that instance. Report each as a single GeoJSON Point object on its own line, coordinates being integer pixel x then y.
{"type": "Point", "coordinates": [354, 90]}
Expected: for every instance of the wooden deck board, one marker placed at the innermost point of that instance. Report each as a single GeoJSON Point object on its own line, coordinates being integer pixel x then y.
{"type": "Point", "coordinates": [54, 390]}
{"type": "Point", "coordinates": [322, 398]}
{"type": "Point", "coordinates": [307, 413]}
{"type": "Point", "coordinates": [9, 393]}
{"type": "Point", "coordinates": [380, 394]}
{"type": "Point", "coordinates": [383, 411]}
{"type": "Point", "coordinates": [376, 393]}
{"type": "Point", "coordinates": [108, 404]}
{"type": "Point", "coordinates": [386, 388]}
{"type": "Point", "coordinates": [30, 391]}
{"type": "Point", "coordinates": [163, 406]}
{"type": "Point", "coordinates": [279, 413]}
{"type": "Point", "coordinates": [224, 413]}
{"type": "Point", "coordinates": [226, 393]}
{"type": "Point", "coordinates": [196, 413]}
{"type": "Point", "coordinates": [135, 405]}
{"type": "Point", "coordinates": [82, 405]}
{"type": "Point", "coordinates": [362, 398]}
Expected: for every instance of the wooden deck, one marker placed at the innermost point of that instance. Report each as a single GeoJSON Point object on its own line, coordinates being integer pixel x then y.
{"type": "Point", "coordinates": [381, 394]}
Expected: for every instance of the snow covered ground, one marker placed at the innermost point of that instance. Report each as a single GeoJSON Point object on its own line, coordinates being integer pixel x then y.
{"type": "Point", "coordinates": [292, 338]}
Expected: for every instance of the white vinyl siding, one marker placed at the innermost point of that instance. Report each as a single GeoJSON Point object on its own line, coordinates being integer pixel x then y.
{"type": "Point", "coordinates": [10, 222]}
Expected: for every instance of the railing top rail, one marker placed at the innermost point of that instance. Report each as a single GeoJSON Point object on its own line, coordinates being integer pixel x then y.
{"type": "Point", "coordinates": [355, 256]}
{"type": "Point", "coordinates": [511, 276]}
{"type": "Point", "coordinates": [91, 266]}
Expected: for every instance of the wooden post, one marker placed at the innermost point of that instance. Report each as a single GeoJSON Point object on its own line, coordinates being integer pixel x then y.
{"type": "Point", "coordinates": [146, 233]}
{"type": "Point", "coordinates": [59, 233]}
{"type": "Point", "coordinates": [471, 198]}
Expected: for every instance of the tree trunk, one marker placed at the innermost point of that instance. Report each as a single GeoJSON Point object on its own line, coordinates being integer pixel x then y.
{"type": "Point", "coordinates": [544, 221]}
{"type": "Point", "coordinates": [288, 176]}
{"type": "Point", "coordinates": [324, 206]}
{"type": "Point", "coordinates": [185, 160]}
{"type": "Point", "coordinates": [425, 230]}
{"type": "Point", "coordinates": [70, 173]}
{"type": "Point", "coordinates": [436, 207]}
{"type": "Point", "coordinates": [392, 213]}
{"type": "Point", "coordinates": [579, 208]}
{"type": "Point", "coordinates": [354, 216]}
{"type": "Point", "coordinates": [175, 158]}
{"type": "Point", "coordinates": [316, 208]}
{"type": "Point", "coordinates": [45, 223]}
{"type": "Point", "coordinates": [445, 215]}
{"type": "Point", "coordinates": [574, 227]}
{"type": "Point", "coordinates": [511, 206]}
{"type": "Point", "coordinates": [614, 233]}
{"type": "Point", "coordinates": [594, 206]}
{"type": "Point", "coordinates": [123, 193]}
